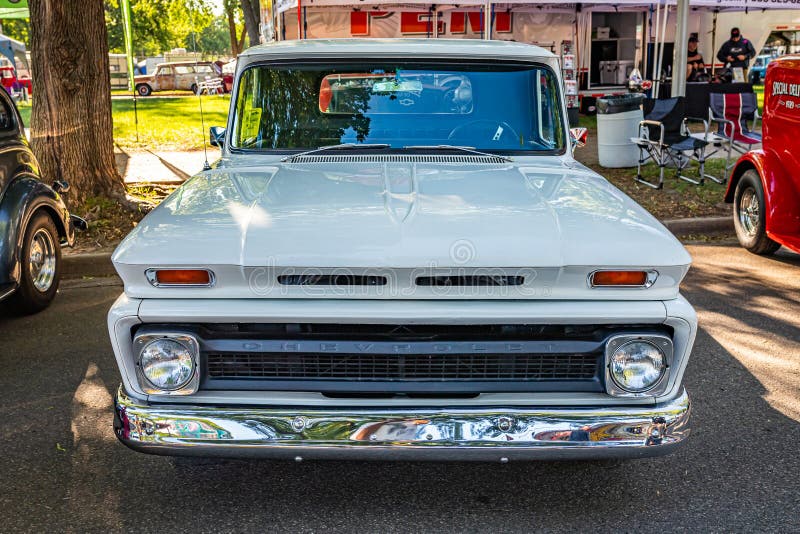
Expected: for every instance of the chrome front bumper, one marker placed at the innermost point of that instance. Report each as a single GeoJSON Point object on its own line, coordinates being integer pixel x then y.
{"type": "Point", "coordinates": [403, 434]}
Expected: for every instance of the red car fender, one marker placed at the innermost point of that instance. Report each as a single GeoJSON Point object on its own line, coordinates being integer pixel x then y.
{"type": "Point", "coordinates": [781, 197]}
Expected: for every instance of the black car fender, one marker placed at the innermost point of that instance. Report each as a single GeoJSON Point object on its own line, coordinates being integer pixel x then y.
{"type": "Point", "coordinates": [23, 197]}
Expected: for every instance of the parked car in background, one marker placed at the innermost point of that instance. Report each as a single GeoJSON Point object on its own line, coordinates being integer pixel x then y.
{"type": "Point", "coordinates": [759, 68]}
{"type": "Point", "coordinates": [398, 257]}
{"type": "Point", "coordinates": [34, 222]}
{"type": "Point", "coordinates": [765, 184]}
{"type": "Point", "coordinates": [182, 76]}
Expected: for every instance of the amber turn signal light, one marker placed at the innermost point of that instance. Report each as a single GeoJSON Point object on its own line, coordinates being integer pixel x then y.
{"type": "Point", "coordinates": [622, 278]}
{"type": "Point", "coordinates": [180, 277]}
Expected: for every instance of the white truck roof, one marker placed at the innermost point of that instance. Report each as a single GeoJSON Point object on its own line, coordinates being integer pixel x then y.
{"type": "Point", "coordinates": [405, 48]}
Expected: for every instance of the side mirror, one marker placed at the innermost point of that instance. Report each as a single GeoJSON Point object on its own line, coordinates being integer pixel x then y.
{"type": "Point", "coordinates": [578, 136]}
{"type": "Point", "coordinates": [79, 223]}
{"type": "Point", "coordinates": [216, 136]}
{"type": "Point", "coordinates": [61, 187]}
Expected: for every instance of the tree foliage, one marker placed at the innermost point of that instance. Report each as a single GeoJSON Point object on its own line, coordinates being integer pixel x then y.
{"type": "Point", "coordinates": [214, 38]}
{"type": "Point", "coordinates": [19, 29]}
{"type": "Point", "coordinates": [159, 25]}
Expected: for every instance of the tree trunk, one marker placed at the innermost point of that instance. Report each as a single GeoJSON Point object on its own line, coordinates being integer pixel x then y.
{"type": "Point", "coordinates": [235, 49]}
{"type": "Point", "coordinates": [71, 126]}
{"type": "Point", "coordinates": [241, 39]}
{"type": "Point", "coordinates": [252, 19]}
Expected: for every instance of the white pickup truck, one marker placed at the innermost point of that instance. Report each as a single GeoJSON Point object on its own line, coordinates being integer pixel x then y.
{"type": "Point", "coordinates": [398, 257]}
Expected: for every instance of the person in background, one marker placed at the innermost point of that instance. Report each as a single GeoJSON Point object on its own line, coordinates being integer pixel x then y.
{"type": "Point", "coordinates": [695, 66]}
{"type": "Point", "coordinates": [736, 51]}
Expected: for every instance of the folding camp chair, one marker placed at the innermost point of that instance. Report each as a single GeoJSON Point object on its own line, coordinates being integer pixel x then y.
{"type": "Point", "coordinates": [731, 111]}
{"type": "Point", "coordinates": [211, 86]}
{"type": "Point", "coordinates": [665, 139]}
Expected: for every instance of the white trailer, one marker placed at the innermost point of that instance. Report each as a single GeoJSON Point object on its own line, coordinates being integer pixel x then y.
{"type": "Point", "coordinates": [118, 68]}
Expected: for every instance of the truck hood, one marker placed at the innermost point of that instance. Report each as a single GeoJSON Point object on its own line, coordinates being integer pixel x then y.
{"type": "Point", "coordinates": [557, 220]}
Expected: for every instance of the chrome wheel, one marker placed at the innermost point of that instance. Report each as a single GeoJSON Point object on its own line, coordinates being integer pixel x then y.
{"type": "Point", "coordinates": [42, 260]}
{"type": "Point", "coordinates": [749, 210]}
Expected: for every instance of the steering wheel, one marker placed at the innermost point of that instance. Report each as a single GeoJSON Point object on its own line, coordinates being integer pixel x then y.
{"type": "Point", "coordinates": [499, 131]}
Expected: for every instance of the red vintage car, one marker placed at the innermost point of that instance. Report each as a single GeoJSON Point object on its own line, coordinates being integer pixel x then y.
{"type": "Point", "coordinates": [765, 184]}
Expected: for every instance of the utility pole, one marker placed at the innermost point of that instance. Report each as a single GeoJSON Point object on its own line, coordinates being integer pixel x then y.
{"type": "Point", "coordinates": [681, 50]}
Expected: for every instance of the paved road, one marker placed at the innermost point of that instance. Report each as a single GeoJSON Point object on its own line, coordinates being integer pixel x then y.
{"type": "Point", "coordinates": [62, 469]}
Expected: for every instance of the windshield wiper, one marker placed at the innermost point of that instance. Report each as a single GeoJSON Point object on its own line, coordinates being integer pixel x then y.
{"type": "Point", "coordinates": [469, 149]}
{"type": "Point", "coordinates": [342, 146]}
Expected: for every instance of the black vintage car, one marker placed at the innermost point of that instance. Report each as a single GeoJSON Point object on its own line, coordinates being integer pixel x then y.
{"type": "Point", "coordinates": [34, 222]}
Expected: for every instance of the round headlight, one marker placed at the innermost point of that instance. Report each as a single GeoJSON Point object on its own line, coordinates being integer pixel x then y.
{"type": "Point", "coordinates": [637, 366]}
{"type": "Point", "coordinates": [167, 364]}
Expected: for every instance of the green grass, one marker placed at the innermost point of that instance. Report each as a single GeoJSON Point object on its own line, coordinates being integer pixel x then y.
{"type": "Point", "coordinates": [588, 121]}
{"type": "Point", "coordinates": [25, 111]}
{"type": "Point", "coordinates": [678, 199]}
{"type": "Point", "coordinates": [167, 123]}
{"type": "Point", "coordinates": [164, 123]}
{"type": "Point", "coordinates": [174, 123]}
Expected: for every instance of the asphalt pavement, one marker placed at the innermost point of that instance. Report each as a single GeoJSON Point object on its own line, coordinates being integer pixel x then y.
{"type": "Point", "coordinates": [61, 468]}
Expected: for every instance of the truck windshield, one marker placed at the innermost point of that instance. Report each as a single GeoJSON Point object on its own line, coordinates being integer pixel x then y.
{"type": "Point", "coordinates": [500, 108]}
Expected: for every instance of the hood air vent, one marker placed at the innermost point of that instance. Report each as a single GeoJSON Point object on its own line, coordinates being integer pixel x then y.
{"type": "Point", "coordinates": [398, 158]}
{"type": "Point", "coordinates": [331, 280]}
{"type": "Point", "coordinates": [470, 281]}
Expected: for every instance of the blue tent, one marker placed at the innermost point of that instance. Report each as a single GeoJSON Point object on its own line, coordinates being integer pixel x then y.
{"type": "Point", "coordinates": [13, 50]}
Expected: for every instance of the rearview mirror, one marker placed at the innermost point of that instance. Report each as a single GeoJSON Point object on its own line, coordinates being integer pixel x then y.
{"type": "Point", "coordinates": [216, 136]}
{"type": "Point", "coordinates": [578, 136]}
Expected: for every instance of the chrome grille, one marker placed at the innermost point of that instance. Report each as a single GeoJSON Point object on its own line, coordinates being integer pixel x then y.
{"type": "Point", "coordinates": [406, 367]}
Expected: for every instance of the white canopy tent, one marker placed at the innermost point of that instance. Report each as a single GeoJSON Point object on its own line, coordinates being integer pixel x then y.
{"type": "Point", "coordinates": [542, 21]}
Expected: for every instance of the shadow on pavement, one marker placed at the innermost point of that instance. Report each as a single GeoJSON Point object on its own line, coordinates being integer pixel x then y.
{"type": "Point", "coordinates": [738, 470]}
